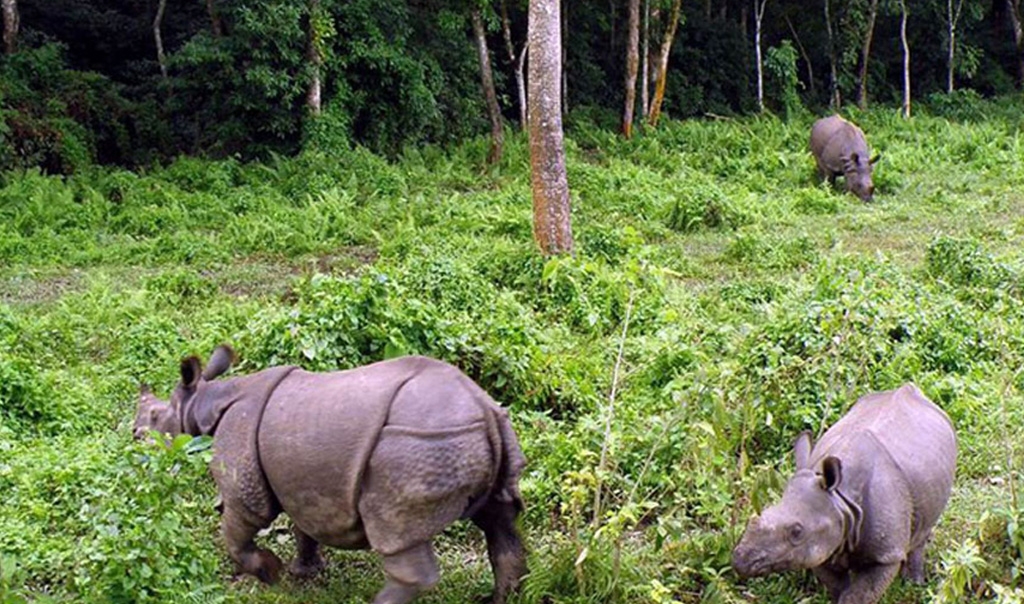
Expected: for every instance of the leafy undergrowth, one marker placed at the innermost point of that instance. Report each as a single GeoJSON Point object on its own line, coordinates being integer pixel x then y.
{"type": "Point", "coordinates": [760, 303]}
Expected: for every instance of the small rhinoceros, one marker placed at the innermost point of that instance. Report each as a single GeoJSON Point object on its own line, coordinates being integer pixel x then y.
{"type": "Point", "coordinates": [383, 456]}
{"type": "Point", "coordinates": [839, 147]}
{"type": "Point", "coordinates": [862, 502]}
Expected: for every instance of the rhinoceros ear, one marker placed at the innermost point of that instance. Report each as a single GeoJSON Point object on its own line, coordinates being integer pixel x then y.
{"type": "Point", "coordinates": [802, 450]}
{"type": "Point", "coordinates": [207, 411]}
{"type": "Point", "coordinates": [191, 369]}
{"type": "Point", "coordinates": [221, 360]}
{"type": "Point", "coordinates": [874, 159]}
{"type": "Point", "coordinates": [831, 473]}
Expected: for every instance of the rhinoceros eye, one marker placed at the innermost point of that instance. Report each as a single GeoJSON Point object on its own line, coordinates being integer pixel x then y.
{"type": "Point", "coordinates": [796, 532]}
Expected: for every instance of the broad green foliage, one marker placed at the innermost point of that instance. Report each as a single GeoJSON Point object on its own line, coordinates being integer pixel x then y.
{"type": "Point", "coordinates": [761, 302]}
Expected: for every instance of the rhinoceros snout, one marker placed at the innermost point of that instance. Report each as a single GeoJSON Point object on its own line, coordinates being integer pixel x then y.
{"type": "Point", "coordinates": [748, 562]}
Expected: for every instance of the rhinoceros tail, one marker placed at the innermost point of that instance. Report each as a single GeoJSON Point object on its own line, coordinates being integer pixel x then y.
{"type": "Point", "coordinates": [506, 487]}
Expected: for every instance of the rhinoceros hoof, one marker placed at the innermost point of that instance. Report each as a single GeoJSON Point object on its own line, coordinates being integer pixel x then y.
{"type": "Point", "coordinates": [306, 569]}
{"type": "Point", "coordinates": [268, 568]}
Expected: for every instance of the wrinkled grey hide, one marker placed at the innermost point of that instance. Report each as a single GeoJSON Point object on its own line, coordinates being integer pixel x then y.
{"type": "Point", "coordinates": [383, 456]}
{"type": "Point", "coordinates": [840, 149]}
{"type": "Point", "coordinates": [862, 502]}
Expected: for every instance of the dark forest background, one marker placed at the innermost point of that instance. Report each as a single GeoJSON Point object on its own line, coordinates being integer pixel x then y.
{"type": "Point", "coordinates": [83, 83]}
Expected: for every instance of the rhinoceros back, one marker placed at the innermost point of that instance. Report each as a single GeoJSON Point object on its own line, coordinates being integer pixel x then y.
{"type": "Point", "coordinates": [915, 434]}
{"type": "Point", "coordinates": [410, 439]}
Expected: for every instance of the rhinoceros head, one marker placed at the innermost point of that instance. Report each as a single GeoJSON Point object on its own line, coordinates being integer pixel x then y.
{"type": "Point", "coordinates": [803, 530]}
{"type": "Point", "coordinates": [857, 171]}
{"type": "Point", "coordinates": [166, 417]}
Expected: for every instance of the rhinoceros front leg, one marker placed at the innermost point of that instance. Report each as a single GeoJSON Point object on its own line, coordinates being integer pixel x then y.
{"type": "Point", "coordinates": [238, 537]}
{"type": "Point", "coordinates": [308, 561]}
{"type": "Point", "coordinates": [867, 586]}
{"type": "Point", "coordinates": [504, 548]}
{"type": "Point", "coordinates": [835, 582]}
{"type": "Point", "coordinates": [409, 573]}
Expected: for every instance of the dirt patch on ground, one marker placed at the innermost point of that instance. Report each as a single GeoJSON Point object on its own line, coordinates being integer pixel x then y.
{"type": "Point", "coordinates": [261, 276]}
{"type": "Point", "coordinates": [254, 276]}
{"type": "Point", "coordinates": [39, 286]}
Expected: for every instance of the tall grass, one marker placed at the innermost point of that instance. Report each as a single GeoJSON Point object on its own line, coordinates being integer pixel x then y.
{"type": "Point", "coordinates": [760, 303]}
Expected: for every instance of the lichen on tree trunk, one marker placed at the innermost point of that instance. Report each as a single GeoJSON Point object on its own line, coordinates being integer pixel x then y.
{"type": "Point", "coordinates": [666, 48]}
{"type": "Point", "coordinates": [552, 228]}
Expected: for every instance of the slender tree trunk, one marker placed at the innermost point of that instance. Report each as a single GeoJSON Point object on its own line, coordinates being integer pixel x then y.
{"type": "Point", "coordinates": [157, 21]}
{"type": "Point", "coordinates": [564, 19]}
{"type": "Point", "coordinates": [552, 226]}
{"type": "Point", "coordinates": [506, 30]}
{"type": "Point", "coordinates": [803, 53]}
{"type": "Point", "coordinates": [835, 99]}
{"type": "Point", "coordinates": [316, 61]}
{"type": "Point", "coordinates": [744, 20]}
{"type": "Point", "coordinates": [645, 86]}
{"type": "Point", "coordinates": [632, 64]}
{"type": "Point", "coordinates": [216, 26]}
{"type": "Point", "coordinates": [666, 49]}
{"type": "Point", "coordinates": [865, 55]}
{"type": "Point", "coordinates": [707, 9]}
{"type": "Point", "coordinates": [951, 43]}
{"type": "Point", "coordinates": [906, 59]}
{"type": "Point", "coordinates": [1013, 7]}
{"type": "Point", "coordinates": [521, 82]}
{"type": "Point", "coordinates": [487, 82]}
{"type": "Point", "coordinates": [12, 22]}
{"type": "Point", "coordinates": [759, 6]}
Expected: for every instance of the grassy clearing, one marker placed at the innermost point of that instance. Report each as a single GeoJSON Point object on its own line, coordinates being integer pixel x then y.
{"type": "Point", "coordinates": [763, 303]}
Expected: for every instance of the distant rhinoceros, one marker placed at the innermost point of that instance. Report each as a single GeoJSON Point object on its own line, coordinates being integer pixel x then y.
{"type": "Point", "coordinates": [839, 148]}
{"type": "Point", "coordinates": [862, 502]}
{"type": "Point", "coordinates": [383, 456]}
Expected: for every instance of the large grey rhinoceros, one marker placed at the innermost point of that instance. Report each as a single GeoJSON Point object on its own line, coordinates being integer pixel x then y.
{"type": "Point", "coordinates": [839, 148]}
{"type": "Point", "coordinates": [383, 456]}
{"type": "Point", "coordinates": [862, 502]}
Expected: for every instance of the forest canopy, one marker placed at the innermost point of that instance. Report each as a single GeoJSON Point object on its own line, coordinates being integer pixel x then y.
{"type": "Point", "coordinates": [132, 82]}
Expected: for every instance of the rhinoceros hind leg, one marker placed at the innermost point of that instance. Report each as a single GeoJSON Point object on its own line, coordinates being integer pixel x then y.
{"type": "Point", "coordinates": [913, 566]}
{"type": "Point", "coordinates": [238, 535]}
{"type": "Point", "coordinates": [308, 561]}
{"type": "Point", "coordinates": [409, 572]}
{"type": "Point", "coordinates": [504, 548]}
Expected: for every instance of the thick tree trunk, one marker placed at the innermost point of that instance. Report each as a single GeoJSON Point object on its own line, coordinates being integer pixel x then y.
{"type": "Point", "coordinates": [12, 23]}
{"type": "Point", "coordinates": [487, 83]}
{"type": "Point", "coordinates": [835, 99]}
{"type": "Point", "coordinates": [645, 77]}
{"type": "Point", "coordinates": [552, 227]}
{"type": "Point", "coordinates": [316, 61]}
{"type": "Point", "coordinates": [1013, 8]}
{"type": "Point", "coordinates": [906, 59]}
{"type": "Point", "coordinates": [865, 55]}
{"type": "Point", "coordinates": [216, 26]}
{"type": "Point", "coordinates": [666, 48]}
{"type": "Point", "coordinates": [632, 64]}
{"type": "Point", "coordinates": [510, 48]}
{"type": "Point", "coordinates": [803, 53]}
{"type": "Point", "coordinates": [759, 6]}
{"type": "Point", "coordinates": [157, 21]}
